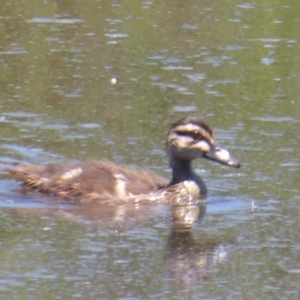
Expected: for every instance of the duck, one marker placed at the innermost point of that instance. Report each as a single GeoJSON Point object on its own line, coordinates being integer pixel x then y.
{"type": "Point", "coordinates": [105, 182]}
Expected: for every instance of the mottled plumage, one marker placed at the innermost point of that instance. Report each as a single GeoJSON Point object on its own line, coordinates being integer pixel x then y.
{"type": "Point", "coordinates": [107, 182]}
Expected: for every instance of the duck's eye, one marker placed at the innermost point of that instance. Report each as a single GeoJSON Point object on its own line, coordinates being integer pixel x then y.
{"type": "Point", "coordinates": [195, 135]}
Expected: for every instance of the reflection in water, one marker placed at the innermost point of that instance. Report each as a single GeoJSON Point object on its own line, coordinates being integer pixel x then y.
{"type": "Point", "coordinates": [189, 259]}
{"type": "Point", "coordinates": [114, 216]}
{"type": "Point", "coordinates": [185, 216]}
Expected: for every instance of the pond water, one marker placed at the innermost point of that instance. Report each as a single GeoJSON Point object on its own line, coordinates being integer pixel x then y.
{"type": "Point", "coordinates": [105, 80]}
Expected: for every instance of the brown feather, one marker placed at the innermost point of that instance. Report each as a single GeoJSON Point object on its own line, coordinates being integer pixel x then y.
{"type": "Point", "coordinates": [106, 182]}
{"type": "Point", "coordinates": [85, 186]}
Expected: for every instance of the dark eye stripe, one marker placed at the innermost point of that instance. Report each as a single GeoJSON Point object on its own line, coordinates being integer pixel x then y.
{"type": "Point", "coordinates": [193, 134]}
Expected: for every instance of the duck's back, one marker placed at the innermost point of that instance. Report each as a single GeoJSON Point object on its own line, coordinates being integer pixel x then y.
{"type": "Point", "coordinates": [90, 181]}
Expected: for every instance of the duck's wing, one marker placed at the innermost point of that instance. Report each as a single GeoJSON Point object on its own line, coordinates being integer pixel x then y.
{"type": "Point", "coordinates": [88, 182]}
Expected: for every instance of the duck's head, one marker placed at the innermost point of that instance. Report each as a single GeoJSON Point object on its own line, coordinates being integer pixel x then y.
{"type": "Point", "coordinates": [190, 138]}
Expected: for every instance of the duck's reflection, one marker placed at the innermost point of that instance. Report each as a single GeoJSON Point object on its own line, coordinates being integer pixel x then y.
{"type": "Point", "coordinates": [188, 257]}
{"type": "Point", "coordinates": [100, 216]}
{"type": "Point", "coordinates": [185, 216]}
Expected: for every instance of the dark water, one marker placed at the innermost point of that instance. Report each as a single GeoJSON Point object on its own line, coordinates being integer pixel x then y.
{"type": "Point", "coordinates": [234, 64]}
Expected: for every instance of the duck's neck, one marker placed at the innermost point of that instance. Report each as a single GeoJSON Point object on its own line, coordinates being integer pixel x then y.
{"type": "Point", "coordinates": [182, 170]}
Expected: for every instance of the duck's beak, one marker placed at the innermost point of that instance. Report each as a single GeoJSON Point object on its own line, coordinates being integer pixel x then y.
{"type": "Point", "coordinates": [221, 156]}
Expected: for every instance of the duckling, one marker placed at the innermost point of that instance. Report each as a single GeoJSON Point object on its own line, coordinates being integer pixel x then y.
{"type": "Point", "coordinates": [109, 183]}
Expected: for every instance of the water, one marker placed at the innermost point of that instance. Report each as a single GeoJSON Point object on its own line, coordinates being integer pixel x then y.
{"type": "Point", "coordinates": [234, 65]}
